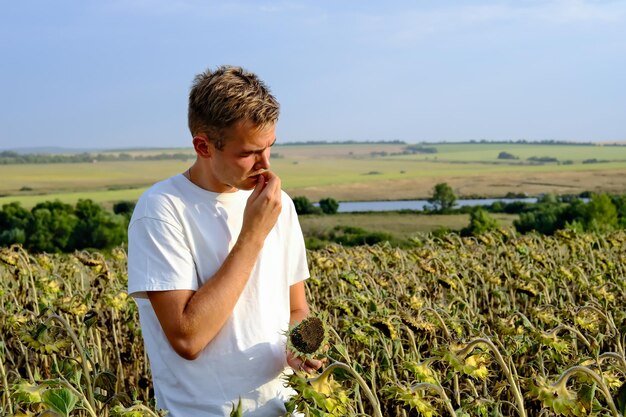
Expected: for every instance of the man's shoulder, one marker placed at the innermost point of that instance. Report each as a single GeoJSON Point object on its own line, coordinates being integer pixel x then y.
{"type": "Point", "coordinates": [160, 200]}
{"type": "Point", "coordinates": [167, 186]}
{"type": "Point", "coordinates": [286, 198]}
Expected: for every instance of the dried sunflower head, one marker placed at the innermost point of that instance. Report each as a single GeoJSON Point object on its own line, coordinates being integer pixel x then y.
{"type": "Point", "coordinates": [307, 338]}
{"type": "Point", "coordinates": [385, 326]}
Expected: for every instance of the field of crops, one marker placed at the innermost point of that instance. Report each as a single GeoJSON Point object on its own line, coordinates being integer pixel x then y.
{"type": "Point", "coordinates": [499, 325]}
{"type": "Point", "coordinates": [346, 172]}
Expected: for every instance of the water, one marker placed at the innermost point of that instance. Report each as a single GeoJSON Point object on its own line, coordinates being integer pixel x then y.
{"type": "Point", "coordinates": [357, 206]}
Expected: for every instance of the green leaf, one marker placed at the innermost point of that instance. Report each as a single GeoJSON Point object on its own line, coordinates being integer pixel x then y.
{"type": "Point", "coordinates": [237, 412]}
{"type": "Point", "coordinates": [120, 411]}
{"type": "Point", "coordinates": [60, 399]}
{"type": "Point", "coordinates": [620, 399]}
{"type": "Point", "coordinates": [90, 318]}
{"type": "Point", "coordinates": [27, 393]}
{"type": "Point", "coordinates": [49, 413]}
{"type": "Point", "coordinates": [69, 369]}
{"type": "Point", "coordinates": [341, 349]}
{"type": "Point", "coordinates": [586, 394]}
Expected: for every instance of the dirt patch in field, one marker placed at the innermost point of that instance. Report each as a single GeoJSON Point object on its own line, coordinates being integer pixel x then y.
{"type": "Point", "coordinates": [489, 185]}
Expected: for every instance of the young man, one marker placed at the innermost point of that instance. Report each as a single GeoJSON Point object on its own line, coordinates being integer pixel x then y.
{"type": "Point", "coordinates": [216, 260]}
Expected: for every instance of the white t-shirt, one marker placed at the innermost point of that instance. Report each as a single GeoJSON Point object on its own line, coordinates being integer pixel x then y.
{"type": "Point", "coordinates": [178, 237]}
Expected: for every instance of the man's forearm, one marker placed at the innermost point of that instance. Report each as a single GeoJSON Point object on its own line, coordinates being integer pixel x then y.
{"type": "Point", "coordinates": [298, 315]}
{"type": "Point", "coordinates": [191, 323]}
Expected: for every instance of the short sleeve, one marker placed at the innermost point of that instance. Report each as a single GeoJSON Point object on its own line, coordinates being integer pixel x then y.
{"type": "Point", "coordinates": [296, 251]}
{"type": "Point", "coordinates": [159, 258]}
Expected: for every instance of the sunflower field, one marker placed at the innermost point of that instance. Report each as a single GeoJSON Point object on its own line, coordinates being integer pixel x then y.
{"type": "Point", "coordinates": [495, 325]}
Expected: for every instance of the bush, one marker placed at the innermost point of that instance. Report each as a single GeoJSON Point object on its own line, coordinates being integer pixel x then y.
{"type": "Point", "coordinates": [543, 159]}
{"type": "Point", "coordinates": [304, 206]}
{"type": "Point", "coordinates": [506, 155]}
{"type": "Point", "coordinates": [355, 236]}
{"type": "Point", "coordinates": [329, 205]}
{"type": "Point", "coordinates": [542, 221]}
{"type": "Point", "coordinates": [124, 207]}
{"type": "Point", "coordinates": [551, 214]}
{"type": "Point", "coordinates": [601, 214]}
{"type": "Point", "coordinates": [315, 243]}
{"type": "Point", "coordinates": [480, 222]}
{"type": "Point", "coordinates": [350, 236]}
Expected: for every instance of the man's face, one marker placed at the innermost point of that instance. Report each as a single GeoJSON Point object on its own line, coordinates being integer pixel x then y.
{"type": "Point", "coordinates": [245, 156]}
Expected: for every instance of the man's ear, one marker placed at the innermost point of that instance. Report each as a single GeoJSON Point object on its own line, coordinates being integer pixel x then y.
{"type": "Point", "coordinates": [203, 147]}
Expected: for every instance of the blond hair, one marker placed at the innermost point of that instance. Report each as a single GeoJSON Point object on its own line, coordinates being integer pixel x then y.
{"type": "Point", "coordinates": [219, 99]}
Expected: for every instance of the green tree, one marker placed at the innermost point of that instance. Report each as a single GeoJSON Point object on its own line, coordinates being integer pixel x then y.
{"type": "Point", "coordinates": [548, 198]}
{"type": "Point", "coordinates": [601, 214]}
{"type": "Point", "coordinates": [51, 227]}
{"type": "Point", "coordinates": [304, 206]}
{"type": "Point", "coordinates": [545, 220]}
{"type": "Point", "coordinates": [124, 207]}
{"type": "Point", "coordinates": [329, 205]}
{"type": "Point", "coordinates": [480, 222]}
{"type": "Point", "coordinates": [14, 220]}
{"type": "Point", "coordinates": [572, 215]}
{"type": "Point", "coordinates": [619, 201]}
{"type": "Point", "coordinates": [443, 197]}
{"type": "Point", "coordinates": [97, 228]}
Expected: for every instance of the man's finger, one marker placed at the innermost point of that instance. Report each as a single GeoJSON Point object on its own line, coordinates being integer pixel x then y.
{"type": "Point", "coordinates": [258, 188]}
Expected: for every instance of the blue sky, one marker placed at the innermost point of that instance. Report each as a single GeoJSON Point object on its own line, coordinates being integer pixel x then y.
{"type": "Point", "coordinates": [116, 73]}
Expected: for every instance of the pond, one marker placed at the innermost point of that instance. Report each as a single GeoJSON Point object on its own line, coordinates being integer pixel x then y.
{"type": "Point", "coordinates": [359, 206]}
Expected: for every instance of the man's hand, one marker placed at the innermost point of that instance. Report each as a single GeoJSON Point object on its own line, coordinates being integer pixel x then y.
{"type": "Point", "coordinates": [300, 364]}
{"type": "Point", "coordinates": [299, 311]}
{"type": "Point", "coordinates": [262, 208]}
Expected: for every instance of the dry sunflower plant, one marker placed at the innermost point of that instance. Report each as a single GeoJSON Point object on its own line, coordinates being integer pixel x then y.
{"type": "Point", "coordinates": [495, 325]}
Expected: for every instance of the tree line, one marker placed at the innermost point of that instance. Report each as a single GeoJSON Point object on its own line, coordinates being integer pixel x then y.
{"type": "Point", "coordinates": [588, 212]}
{"type": "Point", "coordinates": [53, 226]}
{"type": "Point", "coordinates": [11, 157]}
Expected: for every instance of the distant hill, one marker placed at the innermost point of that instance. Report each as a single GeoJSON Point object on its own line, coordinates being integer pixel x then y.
{"type": "Point", "coordinates": [58, 150]}
{"type": "Point", "coordinates": [50, 150]}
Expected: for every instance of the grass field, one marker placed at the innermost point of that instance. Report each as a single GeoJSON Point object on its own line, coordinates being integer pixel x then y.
{"type": "Point", "coordinates": [401, 225]}
{"type": "Point", "coordinates": [490, 152]}
{"type": "Point", "coordinates": [347, 172]}
{"type": "Point", "coordinates": [464, 152]}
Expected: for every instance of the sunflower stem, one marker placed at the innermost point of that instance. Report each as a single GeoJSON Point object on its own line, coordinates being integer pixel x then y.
{"type": "Point", "coordinates": [440, 391]}
{"type": "Point", "coordinates": [81, 350]}
{"type": "Point", "coordinates": [568, 373]}
{"type": "Point", "coordinates": [368, 393]}
{"type": "Point", "coordinates": [514, 387]}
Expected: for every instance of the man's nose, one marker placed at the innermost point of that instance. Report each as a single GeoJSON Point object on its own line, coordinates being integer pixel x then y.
{"type": "Point", "coordinates": [263, 160]}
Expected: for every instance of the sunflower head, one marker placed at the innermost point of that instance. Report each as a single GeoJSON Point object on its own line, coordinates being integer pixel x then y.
{"type": "Point", "coordinates": [308, 337]}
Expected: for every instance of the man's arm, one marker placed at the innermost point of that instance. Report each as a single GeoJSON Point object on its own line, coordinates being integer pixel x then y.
{"type": "Point", "coordinates": [297, 303]}
{"type": "Point", "coordinates": [191, 319]}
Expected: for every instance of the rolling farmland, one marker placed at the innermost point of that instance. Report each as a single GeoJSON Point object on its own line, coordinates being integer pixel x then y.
{"type": "Point", "coordinates": [347, 172]}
